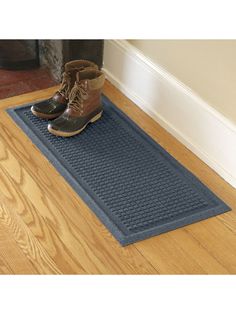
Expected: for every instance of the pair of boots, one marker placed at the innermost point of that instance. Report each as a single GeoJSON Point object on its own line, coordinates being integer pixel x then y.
{"type": "Point", "coordinates": [77, 102]}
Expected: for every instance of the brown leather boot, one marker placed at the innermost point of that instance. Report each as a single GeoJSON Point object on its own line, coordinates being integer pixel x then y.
{"type": "Point", "coordinates": [56, 105]}
{"type": "Point", "coordinates": [84, 105]}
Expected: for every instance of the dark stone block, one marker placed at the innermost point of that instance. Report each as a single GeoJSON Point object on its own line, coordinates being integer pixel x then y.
{"type": "Point", "coordinates": [19, 54]}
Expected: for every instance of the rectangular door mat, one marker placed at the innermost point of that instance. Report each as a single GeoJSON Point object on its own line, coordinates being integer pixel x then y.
{"type": "Point", "coordinates": [129, 181]}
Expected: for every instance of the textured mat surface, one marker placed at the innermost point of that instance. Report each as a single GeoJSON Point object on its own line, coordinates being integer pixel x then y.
{"type": "Point", "coordinates": [132, 184]}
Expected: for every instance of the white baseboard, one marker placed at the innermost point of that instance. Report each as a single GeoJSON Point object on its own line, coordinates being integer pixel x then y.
{"type": "Point", "coordinates": [174, 106]}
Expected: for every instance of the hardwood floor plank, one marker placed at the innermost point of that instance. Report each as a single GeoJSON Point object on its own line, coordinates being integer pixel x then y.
{"type": "Point", "coordinates": [12, 258]}
{"type": "Point", "coordinates": [229, 220]}
{"type": "Point", "coordinates": [178, 252]}
{"type": "Point", "coordinates": [17, 232]}
{"type": "Point", "coordinates": [218, 240]}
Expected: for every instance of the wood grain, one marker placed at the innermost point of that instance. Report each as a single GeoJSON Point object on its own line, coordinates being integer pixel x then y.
{"type": "Point", "coordinates": [46, 228]}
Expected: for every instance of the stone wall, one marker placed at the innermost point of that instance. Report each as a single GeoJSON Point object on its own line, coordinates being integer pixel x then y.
{"type": "Point", "coordinates": [51, 56]}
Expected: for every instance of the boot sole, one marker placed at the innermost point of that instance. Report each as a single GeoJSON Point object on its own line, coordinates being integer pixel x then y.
{"type": "Point", "coordinates": [44, 115]}
{"type": "Point", "coordinates": [69, 134]}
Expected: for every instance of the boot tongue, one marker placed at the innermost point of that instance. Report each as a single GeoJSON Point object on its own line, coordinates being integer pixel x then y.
{"type": "Point", "coordinates": [77, 77]}
{"type": "Point", "coordinates": [81, 80]}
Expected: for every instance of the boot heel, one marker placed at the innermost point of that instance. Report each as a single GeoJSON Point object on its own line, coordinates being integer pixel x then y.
{"type": "Point", "coordinates": [98, 116]}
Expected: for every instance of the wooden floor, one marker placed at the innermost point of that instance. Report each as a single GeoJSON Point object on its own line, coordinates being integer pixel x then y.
{"type": "Point", "coordinates": [45, 228]}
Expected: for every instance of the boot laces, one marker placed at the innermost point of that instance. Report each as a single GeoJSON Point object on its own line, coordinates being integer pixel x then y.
{"type": "Point", "coordinates": [65, 85]}
{"type": "Point", "coordinates": [76, 97]}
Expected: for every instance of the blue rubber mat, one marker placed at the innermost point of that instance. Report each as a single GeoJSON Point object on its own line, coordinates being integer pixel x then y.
{"type": "Point", "coordinates": [129, 181]}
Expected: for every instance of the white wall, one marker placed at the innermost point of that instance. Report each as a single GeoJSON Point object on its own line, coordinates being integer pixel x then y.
{"type": "Point", "coordinates": [208, 67]}
{"type": "Point", "coordinates": [193, 120]}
